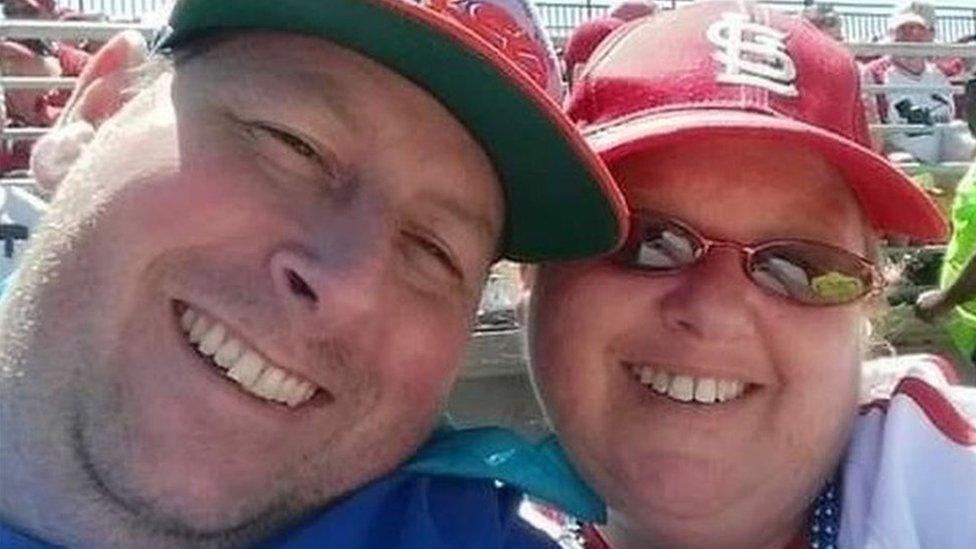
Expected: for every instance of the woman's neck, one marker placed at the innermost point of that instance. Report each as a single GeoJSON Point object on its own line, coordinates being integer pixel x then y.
{"type": "Point", "coordinates": [621, 533]}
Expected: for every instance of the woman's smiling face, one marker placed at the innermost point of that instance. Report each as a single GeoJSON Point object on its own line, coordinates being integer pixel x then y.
{"type": "Point", "coordinates": [686, 471]}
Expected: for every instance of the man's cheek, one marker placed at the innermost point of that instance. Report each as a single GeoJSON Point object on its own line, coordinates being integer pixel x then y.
{"type": "Point", "coordinates": [424, 357]}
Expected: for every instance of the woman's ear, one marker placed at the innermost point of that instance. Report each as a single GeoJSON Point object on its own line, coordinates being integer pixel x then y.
{"type": "Point", "coordinates": [102, 89]}
{"type": "Point", "coordinates": [526, 281]}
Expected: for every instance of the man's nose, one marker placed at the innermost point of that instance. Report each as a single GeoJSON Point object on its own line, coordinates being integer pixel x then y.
{"type": "Point", "coordinates": [331, 286]}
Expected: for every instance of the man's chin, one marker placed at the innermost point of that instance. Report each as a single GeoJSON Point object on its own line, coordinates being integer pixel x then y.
{"type": "Point", "coordinates": [195, 505]}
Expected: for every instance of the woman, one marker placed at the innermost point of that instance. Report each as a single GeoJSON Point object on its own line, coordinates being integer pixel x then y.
{"type": "Point", "coordinates": [706, 378]}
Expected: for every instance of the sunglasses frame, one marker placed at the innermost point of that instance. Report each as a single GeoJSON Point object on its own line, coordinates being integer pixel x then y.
{"type": "Point", "coordinates": [639, 220]}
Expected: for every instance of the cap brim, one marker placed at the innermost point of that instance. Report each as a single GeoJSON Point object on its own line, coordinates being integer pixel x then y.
{"type": "Point", "coordinates": [561, 202]}
{"type": "Point", "coordinates": [891, 201]}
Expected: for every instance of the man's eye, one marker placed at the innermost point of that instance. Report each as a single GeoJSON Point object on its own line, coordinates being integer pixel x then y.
{"type": "Point", "coordinates": [295, 143]}
{"type": "Point", "coordinates": [427, 253]}
{"type": "Point", "coordinates": [291, 151]}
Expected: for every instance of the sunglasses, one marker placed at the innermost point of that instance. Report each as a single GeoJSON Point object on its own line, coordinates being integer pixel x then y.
{"type": "Point", "coordinates": [805, 272]}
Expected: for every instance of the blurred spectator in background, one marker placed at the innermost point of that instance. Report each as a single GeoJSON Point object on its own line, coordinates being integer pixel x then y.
{"type": "Point", "coordinates": [628, 10]}
{"type": "Point", "coordinates": [955, 301]}
{"type": "Point", "coordinates": [583, 42]}
{"type": "Point", "coordinates": [970, 104]}
{"type": "Point", "coordinates": [24, 108]}
{"type": "Point", "coordinates": [30, 9]}
{"type": "Point", "coordinates": [914, 22]}
{"type": "Point", "coordinates": [826, 19]}
{"type": "Point", "coordinates": [587, 36]}
{"type": "Point", "coordinates": [36, 107]}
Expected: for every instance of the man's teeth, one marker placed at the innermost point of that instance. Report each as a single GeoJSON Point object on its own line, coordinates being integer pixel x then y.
{"type": "Point", "coordinates": [686, 388]}
{"type": "Point", "coordinates": [242, 364]}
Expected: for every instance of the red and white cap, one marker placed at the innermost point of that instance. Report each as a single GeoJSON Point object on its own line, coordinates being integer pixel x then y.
{"type": "Point", "coordinates": [738, 69]}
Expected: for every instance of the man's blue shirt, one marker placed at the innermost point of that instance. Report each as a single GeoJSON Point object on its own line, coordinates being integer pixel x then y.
{"type": "Point", "coordinates": [400, 511]}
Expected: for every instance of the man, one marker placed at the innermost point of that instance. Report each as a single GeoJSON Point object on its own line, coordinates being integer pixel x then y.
{"type": "Point", "coordinates": [708, 378]}
{"type": "Point", "coordinates": [825, 19]}
{"type": "Point", "coordinates": [914, 23]}
{"type": "Point", "coordinates": [257, 277]}
{"type": "Point", "coordinates": [957, 297]}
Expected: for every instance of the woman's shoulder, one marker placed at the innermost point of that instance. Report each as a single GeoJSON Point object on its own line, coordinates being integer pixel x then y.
{"type": "Point", "coordinates": [910, 470]}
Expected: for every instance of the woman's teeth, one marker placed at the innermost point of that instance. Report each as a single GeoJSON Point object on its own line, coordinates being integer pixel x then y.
{"type": "Point", "coordinates": [686, 388]}
{"type": "Point", "coordinates": [242, 364]}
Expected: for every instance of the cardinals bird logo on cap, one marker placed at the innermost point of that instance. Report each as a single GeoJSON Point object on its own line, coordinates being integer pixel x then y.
{"type": "Point", "coordinates": [752, 54]}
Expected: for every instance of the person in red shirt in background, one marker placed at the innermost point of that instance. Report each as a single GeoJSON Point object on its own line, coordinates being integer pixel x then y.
{"type": "Point", "coordinates": [37, 107]}
{"type": "Point", "coordinates": [586, 37]}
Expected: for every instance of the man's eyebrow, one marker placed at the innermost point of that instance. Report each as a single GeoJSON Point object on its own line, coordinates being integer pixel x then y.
{"type": "Point", "coordinates": [321, 91]}
{"type": "Point", "coordinates": [327, 91]}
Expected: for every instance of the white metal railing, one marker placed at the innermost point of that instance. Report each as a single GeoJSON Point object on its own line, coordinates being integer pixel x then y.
{"type": "Point", "coordinates": [27, 182]}
{"type": "Point", "coordinates": [23, 134]}
{"type": "Point", "coordinates": [28, 29]}
{"type": "Point", "coordinates": [15, 29]}
{"type": "Point", "coordinates": [57, 82]}
{"type": "Point", "coordinates": [934, 49]}
{"type": "Point", "coordinates": [879, 89]}
{"type": "Point", "coordinates": [900, 128]}
{"type": "Point", "coordinates": [36, 82]}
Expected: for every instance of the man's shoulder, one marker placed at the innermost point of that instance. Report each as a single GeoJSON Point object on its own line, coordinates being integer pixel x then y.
{"type": "Point", "coordinates": [409, 510]}
{"type": "Point", "coordinates": [14, 539]}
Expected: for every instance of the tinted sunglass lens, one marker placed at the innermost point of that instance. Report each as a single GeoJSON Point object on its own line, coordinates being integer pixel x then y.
{"type": "Point", "coordinates": [664, 245]}
{"type": "Point", "coordinates": [811, 273]}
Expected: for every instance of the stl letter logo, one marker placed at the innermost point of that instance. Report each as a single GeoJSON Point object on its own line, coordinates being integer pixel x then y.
{"type": "Point", "coordinates": [496, 25]}
{"type": "Point", "coordinates": [752, 54]}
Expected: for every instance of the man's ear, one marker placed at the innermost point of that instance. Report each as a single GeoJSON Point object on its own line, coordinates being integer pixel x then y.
{"type": "Point", "coordinates": [102, 89]}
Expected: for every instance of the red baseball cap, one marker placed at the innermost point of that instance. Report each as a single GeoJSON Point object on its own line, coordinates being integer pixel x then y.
{"type": "Point", "coordinates": [489, 63]}
{"type": "Point", "coordinates": [585, 39]}
{"type": "Point", "coordinates": [738, 69]}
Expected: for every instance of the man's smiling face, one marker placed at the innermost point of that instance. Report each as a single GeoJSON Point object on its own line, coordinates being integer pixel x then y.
{"type": "Point", "coordinates": [256, 283]}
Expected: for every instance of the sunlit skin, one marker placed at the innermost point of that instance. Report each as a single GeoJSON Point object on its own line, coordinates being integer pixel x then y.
{"type": "Point", "coordinates": [737, 474]}
{"type": "Point", "coordinates": [266, 158]}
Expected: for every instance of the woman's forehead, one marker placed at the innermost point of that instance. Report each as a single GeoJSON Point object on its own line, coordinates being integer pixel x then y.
{"type": "Point", "coordinates": [752, 188]}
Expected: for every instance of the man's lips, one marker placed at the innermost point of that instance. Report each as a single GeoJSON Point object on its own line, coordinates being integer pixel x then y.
{"type": "Point", "coordinates": [241, 363]}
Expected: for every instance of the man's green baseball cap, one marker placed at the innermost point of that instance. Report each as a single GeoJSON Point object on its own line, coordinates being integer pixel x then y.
{"type": "Point", "coordinates": [489, 63]}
